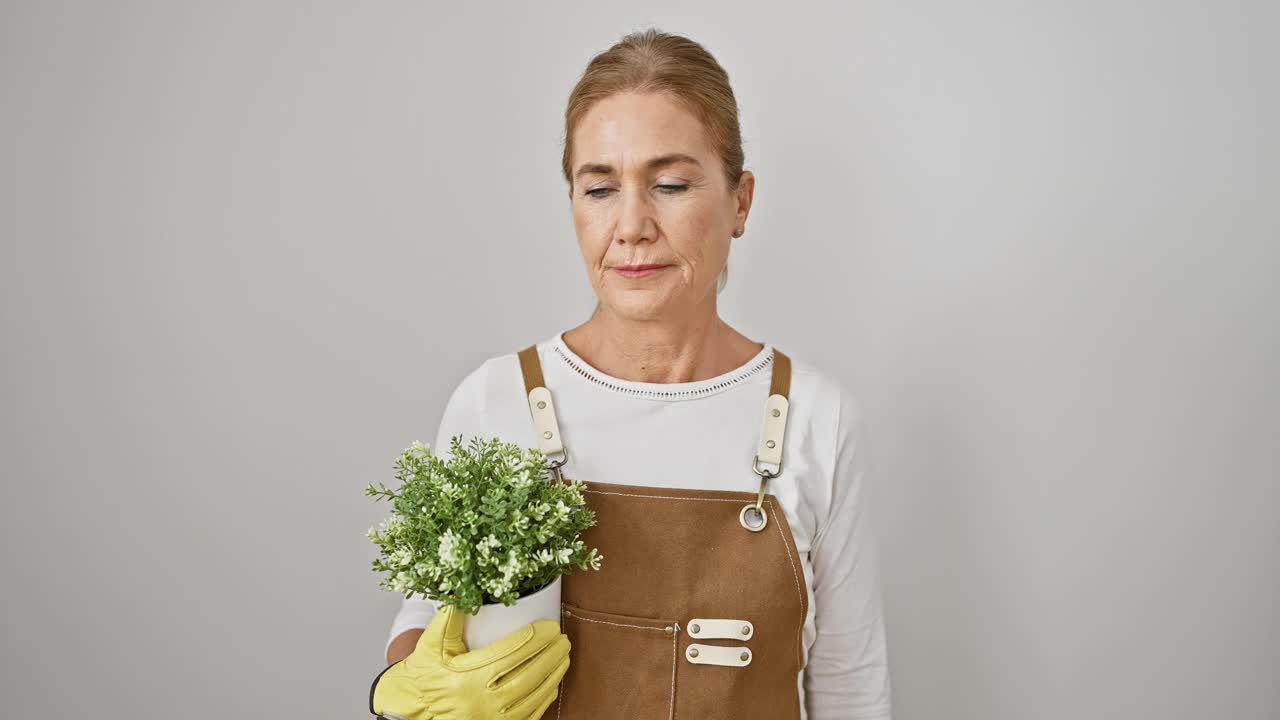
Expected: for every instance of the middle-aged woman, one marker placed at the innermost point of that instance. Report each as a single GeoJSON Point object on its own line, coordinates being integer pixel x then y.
{"type": "Point", "coordinates": [741, 575]}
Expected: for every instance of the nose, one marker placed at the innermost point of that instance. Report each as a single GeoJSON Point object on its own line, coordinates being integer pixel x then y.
{"type": "Point", "coordinates": [635, 222]}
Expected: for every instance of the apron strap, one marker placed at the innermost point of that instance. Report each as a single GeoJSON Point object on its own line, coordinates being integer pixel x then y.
{"type": "Point", "coordinates": [772, 431]}
{"type": "Point", "coordinates": [775, 414]}
{"type": "Point", "coordinates": [753, 516]}
{"type": "Point", "coordinates": [541, 408]}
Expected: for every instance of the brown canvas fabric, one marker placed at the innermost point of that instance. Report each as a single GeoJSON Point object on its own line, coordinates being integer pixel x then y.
{"type": "Point", "coordinates": [670, 556]}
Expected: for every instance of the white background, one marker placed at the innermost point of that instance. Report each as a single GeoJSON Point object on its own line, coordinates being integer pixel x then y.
{"type": "Point", "coordinates": [249, 248]}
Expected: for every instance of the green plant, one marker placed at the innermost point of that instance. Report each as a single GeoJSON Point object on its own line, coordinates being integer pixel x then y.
{"type": "Point", "coordinates": [486, 526]}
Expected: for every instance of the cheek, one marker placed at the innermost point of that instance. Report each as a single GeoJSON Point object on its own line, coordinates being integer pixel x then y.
{"type": "Point", "coordinates": [593, 240]}
{"type": "Point", "coordinates": [694, 231]}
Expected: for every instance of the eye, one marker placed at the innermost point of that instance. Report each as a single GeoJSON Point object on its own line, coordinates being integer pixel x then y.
{"type": "Point", "coordinates": [594, 192]}
{"type": "Point", "coordinates": [672, 189]}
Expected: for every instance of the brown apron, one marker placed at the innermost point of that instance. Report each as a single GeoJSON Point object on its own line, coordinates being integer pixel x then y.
{"type": "Point", "coordinates": [698, 609]}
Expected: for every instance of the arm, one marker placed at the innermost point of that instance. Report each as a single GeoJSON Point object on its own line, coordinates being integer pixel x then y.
{"type": "Point", "coordinates": [847, 675]}
{"type": "Point", "coordinates": [415, 614]}
{"type": "Point", "coordinates": [403, 644]}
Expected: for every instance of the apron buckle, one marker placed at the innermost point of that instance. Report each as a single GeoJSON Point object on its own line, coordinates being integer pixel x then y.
{"type": "Point", "coordinates": [555, 465]}
{"type": "Point", "coordinates": [752, 516]}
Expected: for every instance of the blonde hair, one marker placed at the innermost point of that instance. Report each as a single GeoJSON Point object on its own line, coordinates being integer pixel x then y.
{"type": "Point", "coordinates": [655, 61]}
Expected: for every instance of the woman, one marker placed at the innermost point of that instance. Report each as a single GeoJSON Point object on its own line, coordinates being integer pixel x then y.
{"type": "Point", "coordinates": [741, 569]}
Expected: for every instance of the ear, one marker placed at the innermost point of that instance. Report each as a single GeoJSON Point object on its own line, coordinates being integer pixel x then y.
{"type": "Point", "coordinates": [744, 194]}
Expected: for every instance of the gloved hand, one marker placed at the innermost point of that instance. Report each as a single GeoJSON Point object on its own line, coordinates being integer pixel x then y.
{"type": "Point", "coordinates": [513, 678]}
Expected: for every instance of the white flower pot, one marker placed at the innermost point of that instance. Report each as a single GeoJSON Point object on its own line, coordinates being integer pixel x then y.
{"type": "Point", "coordinates": [497, 620]}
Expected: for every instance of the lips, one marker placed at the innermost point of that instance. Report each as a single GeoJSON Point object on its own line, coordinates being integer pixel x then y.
{"type": "Point", "coordinates": [638, 271]}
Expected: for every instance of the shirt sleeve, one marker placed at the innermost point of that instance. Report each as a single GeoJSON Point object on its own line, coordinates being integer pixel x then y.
{"type": "Point", "coordinates": [459, 418]}
{"type": "Point", "coordinates": [847, 675]}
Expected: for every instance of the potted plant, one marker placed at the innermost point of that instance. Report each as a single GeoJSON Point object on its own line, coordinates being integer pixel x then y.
{"type": "Point", "coordinates": [485, 531]}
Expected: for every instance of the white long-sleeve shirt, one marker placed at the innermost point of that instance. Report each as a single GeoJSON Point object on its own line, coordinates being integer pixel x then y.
{"type": "Point", "coordinates": [703, 434]}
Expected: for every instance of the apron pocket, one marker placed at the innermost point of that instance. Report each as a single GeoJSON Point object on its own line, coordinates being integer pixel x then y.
{"type": "Point", "coordinates": [620, 666]}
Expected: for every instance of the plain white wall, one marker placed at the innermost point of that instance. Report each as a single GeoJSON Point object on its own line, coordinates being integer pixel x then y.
{"type": "Point", "coordinates": [248, 249]}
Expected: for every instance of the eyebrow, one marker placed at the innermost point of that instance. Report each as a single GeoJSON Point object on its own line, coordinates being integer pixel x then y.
{"type": "Point", "coordinates": [660, 161]}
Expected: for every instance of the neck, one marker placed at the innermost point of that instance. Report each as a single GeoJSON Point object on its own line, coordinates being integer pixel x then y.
{"type": "Point", "coordinates": [695, 346]}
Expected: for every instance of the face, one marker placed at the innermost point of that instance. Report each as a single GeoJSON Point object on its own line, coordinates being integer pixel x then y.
{"type": "Point", "coordinates": [649, 189]}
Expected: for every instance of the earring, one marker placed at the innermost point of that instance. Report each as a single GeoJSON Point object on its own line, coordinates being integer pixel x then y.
{"type": "Point", "coordinates": [738, 232]}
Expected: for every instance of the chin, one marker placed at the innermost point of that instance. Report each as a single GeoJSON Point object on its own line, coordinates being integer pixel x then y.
{"type": "Point", "coordinates": [640, 308]}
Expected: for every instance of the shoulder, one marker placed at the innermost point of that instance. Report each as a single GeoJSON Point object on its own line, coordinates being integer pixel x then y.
{"type": "Point", "coordinates": [491, 391]}
{"type": "Point", "coordinates": [499, 379]}
{"type": "Point", "coordinates": [821, 395]}
{"type": "Point", "coordinates": [487, 400]}
{"type": "Point", "coordinates": [492, 379]}
{"type": "Point", "coordinates": [834, 425]}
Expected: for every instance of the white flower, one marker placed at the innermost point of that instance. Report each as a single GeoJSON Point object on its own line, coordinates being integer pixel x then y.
{"type": "Point", "coordinates": [448, 551]}
{"type": "Point", "coordinates": [509, 570]}
{"type": "Point", "coordinates": [519, 522]}
{"type": "Point", "coordinates": [403, 556]}
{"type": "Point", "coordinates": [486, 547]}
{"type": "Point", "coordinates": [401, 581]}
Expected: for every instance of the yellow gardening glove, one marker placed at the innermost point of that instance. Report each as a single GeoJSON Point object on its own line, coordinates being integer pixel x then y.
{"type": "Point", "coordinates": [513, 678]}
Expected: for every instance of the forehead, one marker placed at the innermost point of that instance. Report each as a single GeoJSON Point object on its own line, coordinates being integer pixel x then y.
{"type": "Point", "coordinates": [636, 126]}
